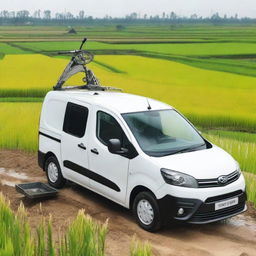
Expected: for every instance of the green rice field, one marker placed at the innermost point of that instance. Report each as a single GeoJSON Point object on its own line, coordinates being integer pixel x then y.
{"type": "Point", "coordinates": [206, 72]}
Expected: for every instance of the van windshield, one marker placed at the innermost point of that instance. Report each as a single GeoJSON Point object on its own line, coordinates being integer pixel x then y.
{"type": "Point", "coordinates": [163, 132]}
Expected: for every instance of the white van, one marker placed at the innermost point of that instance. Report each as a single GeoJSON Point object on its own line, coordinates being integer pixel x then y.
{"type": "Point", "coordinates": [140, 153]}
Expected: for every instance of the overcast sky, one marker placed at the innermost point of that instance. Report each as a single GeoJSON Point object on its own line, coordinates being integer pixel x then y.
{"type": "Point", "coordinates": [116, 8]}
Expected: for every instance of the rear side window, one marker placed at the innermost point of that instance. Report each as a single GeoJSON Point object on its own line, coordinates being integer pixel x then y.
{"type": "Point", "coordinates": [75, 120]}
{"type": "Point", "coordinates": [108, 128]}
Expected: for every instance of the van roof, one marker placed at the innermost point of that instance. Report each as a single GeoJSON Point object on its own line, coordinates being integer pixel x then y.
{"type": "Point", "coordinates": [117, 101]}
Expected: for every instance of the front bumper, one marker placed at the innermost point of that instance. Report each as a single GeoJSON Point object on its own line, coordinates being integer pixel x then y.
{"type": "Point", "coordinates": [199, 212]}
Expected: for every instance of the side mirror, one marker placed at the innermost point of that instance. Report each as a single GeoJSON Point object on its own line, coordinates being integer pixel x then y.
{"type": "Point", "coordinates": [114, 147]}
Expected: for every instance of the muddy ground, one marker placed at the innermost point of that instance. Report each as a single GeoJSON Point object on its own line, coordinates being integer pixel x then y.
{"type": "Point", "coordinates": [235, 237]}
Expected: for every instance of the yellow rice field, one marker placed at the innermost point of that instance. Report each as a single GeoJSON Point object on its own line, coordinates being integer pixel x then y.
{"type": "Point", "coordinates": [207, 97]}
{"type": "Point", "coordinates": [19, 125]}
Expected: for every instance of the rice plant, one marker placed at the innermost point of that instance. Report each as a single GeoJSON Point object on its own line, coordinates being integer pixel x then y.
{"type": "Point", "coordinates": [140, 249]}
{"type": "Point", "coordinates": [15, 235]}
{"type": "Point", "coordinates": [251, 187]}
{"type": "Point", "coordinates": [84, 237]}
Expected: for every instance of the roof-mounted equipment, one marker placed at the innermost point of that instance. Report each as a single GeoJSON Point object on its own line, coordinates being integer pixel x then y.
{"type": "Point", "coordinates": [79, 59]}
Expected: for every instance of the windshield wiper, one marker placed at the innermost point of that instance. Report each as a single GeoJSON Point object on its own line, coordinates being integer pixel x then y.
{"type": "Point", "coordinates": [189, 149]}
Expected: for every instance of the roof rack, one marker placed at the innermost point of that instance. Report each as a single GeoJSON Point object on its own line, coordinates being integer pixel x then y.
{"type": "Point", "coordinates": [79, 59]}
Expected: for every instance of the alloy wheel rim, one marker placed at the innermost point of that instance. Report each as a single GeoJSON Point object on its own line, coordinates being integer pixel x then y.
{"type": "Point", "coordinates": [52, 172]}
{"type": "Point", "coordinates": [145, 212]}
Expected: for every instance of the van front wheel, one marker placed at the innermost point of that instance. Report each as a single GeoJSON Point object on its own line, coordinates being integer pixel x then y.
{"type": "Point", "coordinates": [53, 172]}
{"type": "Point", "coordinates": [146, 211]}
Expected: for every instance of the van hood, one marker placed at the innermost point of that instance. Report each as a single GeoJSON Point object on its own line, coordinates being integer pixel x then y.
{"type": "Point", "coordinates": [202, 164]}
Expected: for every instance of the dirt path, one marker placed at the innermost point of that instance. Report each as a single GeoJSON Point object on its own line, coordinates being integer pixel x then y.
{"type": "Point", "coordinates": [235, 237]}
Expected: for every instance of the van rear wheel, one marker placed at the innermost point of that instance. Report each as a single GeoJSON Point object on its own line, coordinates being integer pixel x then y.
{"type": "Point", "coordinates": [146, 211]}
{"type": "Point", "coordinates": [53, 173]}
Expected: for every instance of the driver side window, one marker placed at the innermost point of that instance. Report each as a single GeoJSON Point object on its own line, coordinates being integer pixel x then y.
{"type": "Point", "coordinates": [108, 128]}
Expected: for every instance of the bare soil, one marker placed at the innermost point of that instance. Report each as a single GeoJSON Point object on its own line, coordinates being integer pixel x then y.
{"type": "Point", "coordinates": [234, 237]}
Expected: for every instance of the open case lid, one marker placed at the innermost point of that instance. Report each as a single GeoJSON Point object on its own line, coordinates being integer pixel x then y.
{"type": "Point", "coordinates": [79, 59]}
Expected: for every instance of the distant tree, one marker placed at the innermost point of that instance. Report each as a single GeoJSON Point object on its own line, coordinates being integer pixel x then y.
{"type": "Point", "coordinates": [69, 16]}
{"type": "Point", "coordinates": [134, 16]}
{"type": "Point", "coordinates": [47, 14]}
{"type": "Point", "coordinates": [81, 14]}
{"type": "Point", "coordinates": [23, 14]}
{"type": "Point", "coordinates": [193, 16]}
{"type": "Point", "coordinates": [163, 15]}
{"type": "Point", "coordinates": [173, 16]}
{"type": "Point", "coordinates": [216, 16]}
{"type": "Point", "coordinates": [11, 14]}
{"type": "Point", "coordinates": [4, 14]}
{"type": "Point", "coordinates": [145, 16]}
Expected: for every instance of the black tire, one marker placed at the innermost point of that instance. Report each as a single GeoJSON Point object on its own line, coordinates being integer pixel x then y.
{"type": "Point", "coordinates": [148, 197]}
{"type": "Point", "coordinates": [60, 180]}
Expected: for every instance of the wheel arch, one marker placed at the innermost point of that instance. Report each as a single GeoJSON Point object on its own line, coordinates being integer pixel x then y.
{"type": "Point", "coordinates": [47, 155]}
{"type": "Point", "coordinates": [135, 191]}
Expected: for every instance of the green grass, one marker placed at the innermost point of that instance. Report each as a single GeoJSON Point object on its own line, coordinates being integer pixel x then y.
{"type": "Point", "coordinates": [11, 94]}
{"type": "Point", "coordinates": [239, 136]}
{"type": "Point", "coordinates": [21, 99]}
{"type": "Point", "coordinates": [238, 66]}
{"type": "Point", "coordinates": [172, 32]}
{"type": "Point", "coordinates": [188, 49]}
{"type": "Point", "coordinates": [8, 49]}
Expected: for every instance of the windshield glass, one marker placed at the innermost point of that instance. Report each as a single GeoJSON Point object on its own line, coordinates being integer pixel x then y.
{"type": "Point", "coordinates": [163, 132]}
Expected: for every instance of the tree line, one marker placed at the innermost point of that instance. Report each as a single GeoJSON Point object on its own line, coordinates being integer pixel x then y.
{"type": "Point", "coordinates": [47, 17]}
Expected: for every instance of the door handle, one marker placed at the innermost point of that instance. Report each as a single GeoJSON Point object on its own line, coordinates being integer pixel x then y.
{"type": "Point", "coordinates": [95, 151]}
{"type": "Point", "coordinates": [82, 146]}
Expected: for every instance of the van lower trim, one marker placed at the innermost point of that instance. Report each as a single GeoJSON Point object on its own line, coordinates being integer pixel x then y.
{"type": "Point", "coordinates": [49, 137]}
{"type": "Point", "coordinates": [40, 158]}
{"type": "Point", "coordinates": [91, 175]}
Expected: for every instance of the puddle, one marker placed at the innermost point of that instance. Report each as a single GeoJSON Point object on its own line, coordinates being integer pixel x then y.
{"type": "Point", "coordinates": [11, 177]}
{"type": "Point", "coordinates": [242, 221]}
{"type": "Point", "coordinates": [8, 183]}
{"type": "Point", "coordinates": [13, 174]}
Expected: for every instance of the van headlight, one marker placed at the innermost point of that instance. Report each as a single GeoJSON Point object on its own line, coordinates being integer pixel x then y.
{"type": "Point", "coordinates": [238, 169]}
{"type": "Point", "coordinates": [178, 178]}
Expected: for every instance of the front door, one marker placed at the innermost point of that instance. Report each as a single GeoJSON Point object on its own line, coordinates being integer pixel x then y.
{"type": "Point", "coordinates": [110, 170]}
{"type": "Point", "coordinates": [74, 143]}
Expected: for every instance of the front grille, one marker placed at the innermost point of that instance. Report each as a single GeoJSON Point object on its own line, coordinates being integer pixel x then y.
{"type": "Point", "coordinates": [215, 215]}
{"type": "Point", "coordinates": [209, 183]}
